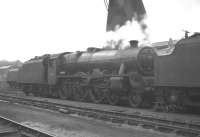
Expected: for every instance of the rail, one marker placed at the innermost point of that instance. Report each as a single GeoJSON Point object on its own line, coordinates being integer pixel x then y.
{"type": "Point", "coordinates": [10, 127]}
{"type": "Point", "coordinates": [149, 122]}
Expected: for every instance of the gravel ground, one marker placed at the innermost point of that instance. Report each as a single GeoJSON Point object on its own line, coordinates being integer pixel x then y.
{"type": "Point", "coordinates": [63, 125]}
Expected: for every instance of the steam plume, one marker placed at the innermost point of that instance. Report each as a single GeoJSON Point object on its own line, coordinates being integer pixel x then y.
{"type": "Point", "coordinates": [126, 21]}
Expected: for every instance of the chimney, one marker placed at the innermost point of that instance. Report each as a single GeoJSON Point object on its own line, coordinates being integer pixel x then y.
{"type": "Point", "coordinates": [133, 43]}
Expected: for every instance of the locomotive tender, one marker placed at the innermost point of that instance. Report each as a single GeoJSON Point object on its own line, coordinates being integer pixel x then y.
{"type": "Point", "coordinates": [140, 75]}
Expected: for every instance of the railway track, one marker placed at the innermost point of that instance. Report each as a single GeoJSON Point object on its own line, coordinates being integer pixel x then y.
{"type": "Point", "coordinates": [149, 122]}
{"type": "Point", "coordinates": [10, 128]}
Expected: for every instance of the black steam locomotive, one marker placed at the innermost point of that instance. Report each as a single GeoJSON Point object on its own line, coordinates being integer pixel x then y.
{"type": "Point", "coordinates": [97, 75]}
{"type": "Point", "coordinates": [141, 75]}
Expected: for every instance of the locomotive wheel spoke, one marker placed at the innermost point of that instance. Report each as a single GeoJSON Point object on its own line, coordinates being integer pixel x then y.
{"type": "Point", "coordinates": [97, 95]}
{"type": "Point", "coordinates": [43, 90]}
{"type": "Point", "coordinates": [135, 99]}
{"type": "Point", "coordinates": [112, 97]}
{"type": "Point", "coordinates": [86, 92]}
{"type": "Point", "coordinates": [61, 94]}
{"type": "Point", "coordinates": [25, 90]}
{"type": "Point", "coordinates": [34, 91]}
{"type": "Point", "coordinates": [66, 91]}
{"type": "Point", "coordinates": [53, 92]}
{"type": "Point", "coordinates": [39, 91]}
{"type": "Point", "coordinates": [78, 93]}
{"type": "Point", "coordinates": [29, 89]}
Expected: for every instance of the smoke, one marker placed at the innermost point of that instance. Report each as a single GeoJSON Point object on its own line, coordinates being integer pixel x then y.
{"type": "Point", "coordinates": [127, 21]}
{"type": "Point", "coordinates": [131, 30]}
{"type": "Point", "coordinates": [121, 11]}
{"type": "Point", "coordinates": [144, 30]}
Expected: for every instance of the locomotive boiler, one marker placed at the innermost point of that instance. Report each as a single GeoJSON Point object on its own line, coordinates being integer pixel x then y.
{"type": "Point", "coordinates": [110, 74]}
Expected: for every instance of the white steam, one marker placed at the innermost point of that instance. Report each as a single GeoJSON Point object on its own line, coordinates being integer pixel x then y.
{"type": "Point", "coordinates": [132, 30]}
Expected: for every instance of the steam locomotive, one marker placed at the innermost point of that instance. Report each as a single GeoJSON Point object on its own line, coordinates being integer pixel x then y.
{"type": "Point", "coordinates": [139, 75]}
{"type": "Point", "coordinates": [96, 75]}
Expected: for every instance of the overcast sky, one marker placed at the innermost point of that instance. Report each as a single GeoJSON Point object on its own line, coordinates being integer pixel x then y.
{"type": "Point", "coordinates": [30, 28]}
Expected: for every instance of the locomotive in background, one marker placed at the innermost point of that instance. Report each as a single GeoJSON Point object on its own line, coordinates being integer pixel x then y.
{"type": "Point", "coordinates": [176, 75]}
{"type": "Point", "coordinates": [170, 77]}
